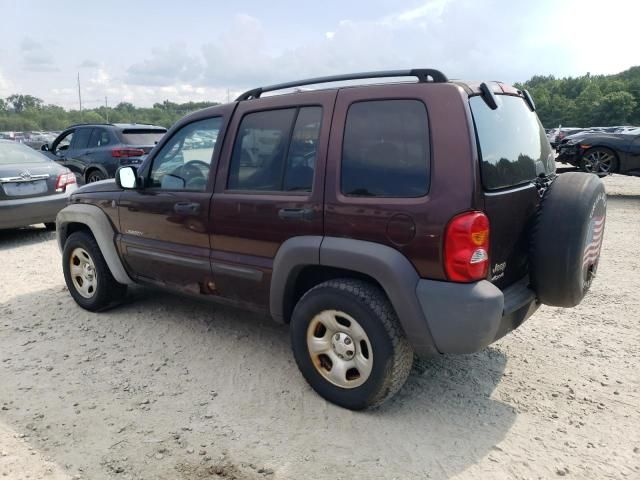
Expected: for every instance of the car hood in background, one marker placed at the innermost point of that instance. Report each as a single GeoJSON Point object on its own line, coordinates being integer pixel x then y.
{"type": "Point", "coordinates": [102, 186]}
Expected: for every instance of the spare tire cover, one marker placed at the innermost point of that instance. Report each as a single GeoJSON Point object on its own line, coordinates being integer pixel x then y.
{"type": "Point", "coordinates": [566, 239]}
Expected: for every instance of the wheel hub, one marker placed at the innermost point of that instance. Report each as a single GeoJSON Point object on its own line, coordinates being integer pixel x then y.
{"type": "Point", "coordinates": [342, 345]}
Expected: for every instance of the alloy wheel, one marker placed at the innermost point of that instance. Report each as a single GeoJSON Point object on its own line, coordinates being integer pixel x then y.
{"type": "Point", "coordinates": [340, 349]}
{"type": "Point", "coordinates": [598, 161]}
{"type": "Point", "coordinates": [83, 272]}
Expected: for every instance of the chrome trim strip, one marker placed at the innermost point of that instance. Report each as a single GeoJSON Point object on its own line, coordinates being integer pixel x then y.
{"type": "Point", "coordinates": [23, 180]}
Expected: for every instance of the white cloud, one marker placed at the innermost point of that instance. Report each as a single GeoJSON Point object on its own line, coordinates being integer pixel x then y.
{"type": "Point", "coordinates": [330, 35]}
{"type": "Point", "coordinates": [36, 57]}
{"type": "Point", "coordinates": [166, 66]}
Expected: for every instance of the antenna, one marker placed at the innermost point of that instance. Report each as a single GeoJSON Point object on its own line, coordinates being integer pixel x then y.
{"type": "Point", "coordinates": [79, 97]}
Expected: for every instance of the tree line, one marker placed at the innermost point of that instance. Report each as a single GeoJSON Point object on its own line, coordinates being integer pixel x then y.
{"type": "Point", "coordinates": [29, 113]}
{"type": "Point", "coordinates": [588, 100]}
{"type": "Point", "coordinates": [584, 101]}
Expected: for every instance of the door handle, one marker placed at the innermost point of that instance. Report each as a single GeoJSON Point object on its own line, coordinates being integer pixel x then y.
{"type": "Point", "coordinates": [187, 208]}
{"type": "Point", "coordinates": [305, 214]}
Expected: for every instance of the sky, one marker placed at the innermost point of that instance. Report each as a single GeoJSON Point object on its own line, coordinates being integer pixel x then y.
{"type": "Point", "coordinates": [192, 50]}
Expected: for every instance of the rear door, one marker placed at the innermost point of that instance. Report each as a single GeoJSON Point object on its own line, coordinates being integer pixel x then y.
{"type": "Point", "coordinates": [514, 150]}
{"type": "Point", "coordinates": [165, 225]}
{"type": "Point", "coordinates": [269, 188]}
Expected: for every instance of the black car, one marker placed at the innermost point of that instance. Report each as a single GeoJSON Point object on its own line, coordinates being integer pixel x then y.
{"type": "Point", "coordinates": [33, 188]}
{"type": "Point", "coordinates": [95, 151]}
{"type": "Point", "coordinates": [603, 153]}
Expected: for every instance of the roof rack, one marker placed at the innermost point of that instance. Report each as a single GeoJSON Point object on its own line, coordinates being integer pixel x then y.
{"type": "Point", "coordinates": [423, 75]}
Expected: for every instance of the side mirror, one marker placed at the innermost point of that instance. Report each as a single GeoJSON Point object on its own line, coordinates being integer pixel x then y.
{"type": "Point", "coordinates": [45, 147]}
{"type": "Point", "coordinates": [126, 177]}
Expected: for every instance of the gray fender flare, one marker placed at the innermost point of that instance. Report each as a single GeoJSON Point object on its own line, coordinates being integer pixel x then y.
{"type": "Point", "coordinates": [98, 222]}
{"type": "Point", "coordinates": [390, 268]}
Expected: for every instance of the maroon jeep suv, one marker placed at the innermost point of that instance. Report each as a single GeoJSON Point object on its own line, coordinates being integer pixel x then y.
{"type": "Point", "coordinates": [378, 220]}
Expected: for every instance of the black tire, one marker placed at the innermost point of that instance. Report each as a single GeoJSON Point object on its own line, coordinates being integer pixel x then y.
{"type": "Point", "coordinates": [391, 354]}
{"type": "Point", "coordinates": [107, 291]}
{"type": "Point", "coordinates": [601, 169]}
{"type": "Point", "coordinates": [567, 238]}
{"type": "Point", "coordinates": [50, 226]}
{"type": "Point", "coordinates": [95, 175]}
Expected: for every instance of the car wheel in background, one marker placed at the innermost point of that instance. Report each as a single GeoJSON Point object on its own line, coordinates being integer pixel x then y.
{"type": "Point", "coordinates": [95, 176]}
{"type": "Point", "coordinates": [87, 275]}
{"type": "Point", "coordinates": [349, 345]}
{"type": "Point", "coordinates": [599, 160]}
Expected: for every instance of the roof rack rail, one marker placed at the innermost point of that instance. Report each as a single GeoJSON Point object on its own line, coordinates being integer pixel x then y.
{"type": "Point", "coordinates": [87, 123]}
{"type": "Point", "coordinates": [423, 75]}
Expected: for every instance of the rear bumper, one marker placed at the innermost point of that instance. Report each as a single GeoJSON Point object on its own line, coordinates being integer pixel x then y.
{"type": "Point", "coordinates": [28, 211]}
{"type": "Point", "coordinates": [466, 317]}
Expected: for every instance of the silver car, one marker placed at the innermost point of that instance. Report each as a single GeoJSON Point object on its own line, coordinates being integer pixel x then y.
{"type": "Point", "coordinates": [33, 188]}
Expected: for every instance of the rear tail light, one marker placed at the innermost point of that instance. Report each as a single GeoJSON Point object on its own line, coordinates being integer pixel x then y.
{"type": "Point", "coordinates": [466, 247]}
{"type": "Point", "coordinates": [65, 179]}
{"type": "Point", "coordinates": [126, 152]}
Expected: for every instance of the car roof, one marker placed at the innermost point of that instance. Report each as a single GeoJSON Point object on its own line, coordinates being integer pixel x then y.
{"type": "Point", "coordinates": [120, 126]}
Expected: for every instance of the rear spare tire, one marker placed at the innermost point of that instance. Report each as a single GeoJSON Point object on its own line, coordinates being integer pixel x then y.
{"type": "Point", "coordinates": [566, 239]}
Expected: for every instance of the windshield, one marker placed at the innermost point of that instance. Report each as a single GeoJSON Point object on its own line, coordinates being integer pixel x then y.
{"type": "Point", "coordinates": [142, 137]}
{"type": "Point", "coordinates": [513, 146]}
{"type": "Point", "coordinates": [17, 153]}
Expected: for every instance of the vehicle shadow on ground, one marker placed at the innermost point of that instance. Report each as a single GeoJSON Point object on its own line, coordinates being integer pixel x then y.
{"type": "Point", "coordinates": [220, 375]}
{"type": "Point", "coordinates": [24, 236]}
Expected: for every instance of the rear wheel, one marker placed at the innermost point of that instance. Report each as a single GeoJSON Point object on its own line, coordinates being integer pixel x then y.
{"type": "Point", "coordinates": [87, 275]}
{"type": "Point", "coordinates": [95, 176]}
{"type": "Point", "coordinates": [601, 161]}
{"type": "Point", "coordinates": [348, 343]}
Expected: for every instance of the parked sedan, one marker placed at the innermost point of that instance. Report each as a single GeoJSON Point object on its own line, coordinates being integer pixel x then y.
{"type": "Point", "coordinates": [603, 153]}
{"type": "Point", "coordinates": [33, 188]}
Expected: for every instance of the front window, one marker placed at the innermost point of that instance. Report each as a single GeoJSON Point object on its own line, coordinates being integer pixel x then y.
{"type": "Point", "coordinates": [514, 148]}
{"type": "Point", "coordinates": [185, 160]}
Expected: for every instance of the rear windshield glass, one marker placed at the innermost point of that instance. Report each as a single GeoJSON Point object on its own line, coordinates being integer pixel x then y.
{"type": "Point", "coordinates": [513, 146]}
{"type": "Point", "coordinates": [142, 137]}
{"type": "Point", "coordinates": [17, 153]}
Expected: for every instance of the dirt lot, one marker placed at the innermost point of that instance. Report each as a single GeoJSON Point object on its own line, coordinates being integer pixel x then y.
{"type": "Point", "coordinates": [169, 388]}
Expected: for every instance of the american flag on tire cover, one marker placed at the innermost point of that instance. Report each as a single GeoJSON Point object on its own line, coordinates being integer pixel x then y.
{"type": "Point", "coordinates": [595, 233]}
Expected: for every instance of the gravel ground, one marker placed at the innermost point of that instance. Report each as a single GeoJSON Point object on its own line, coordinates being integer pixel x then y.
{"type": "Point", "coordinates": [165, 387]}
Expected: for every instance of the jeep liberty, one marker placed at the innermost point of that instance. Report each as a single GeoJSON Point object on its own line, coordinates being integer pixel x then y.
{"type": "Point", "coordinates": [378, 220]}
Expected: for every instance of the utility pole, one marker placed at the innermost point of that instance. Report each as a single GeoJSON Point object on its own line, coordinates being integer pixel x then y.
{"type": "Point", "coordinates": [79, 97]}
{"type": "Point", "coordinates": [106, 106]}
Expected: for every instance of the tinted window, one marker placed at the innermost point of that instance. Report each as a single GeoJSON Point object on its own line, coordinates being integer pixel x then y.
{"type": "Point", "coordinates": [81, 138]}
{"type": "Point", "coordinates": [11, 152]}
{"type": "Point", "coordinates": [276, 150]}
{"type": "Point", "coordinates": [513, 146]}
{"type": "Point", "coordinates": [141, 136]}
{"type": "Point", "coordinates": [99, 138]}
{"type": "Point", "coordinates": [185, 160]}
{"type": "Point", "coordinates": [386, 149]}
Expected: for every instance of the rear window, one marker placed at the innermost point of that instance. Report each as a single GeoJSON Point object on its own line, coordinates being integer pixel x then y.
{"type": "Point", "coordinates": [17, 153]}
{"type": "Point", "coordinates": [513, 146]}
{"type": "Point", "coordinates": [142, 137]}
{"type": "Point", "coordinates": [386, 149]}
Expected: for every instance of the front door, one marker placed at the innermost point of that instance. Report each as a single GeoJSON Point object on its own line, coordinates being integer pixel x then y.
{"type": "Point", "coordinates": [165, 225]}
{"type": "Point", "coordinates": [269, 188]}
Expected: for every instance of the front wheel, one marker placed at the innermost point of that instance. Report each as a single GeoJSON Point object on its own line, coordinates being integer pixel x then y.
{"type": "Point", "coordinates": [349, 345]}
{"type": "Point", "coordinates": [87, 275]}
{"type": "Point", "coordinates": [600, 161]}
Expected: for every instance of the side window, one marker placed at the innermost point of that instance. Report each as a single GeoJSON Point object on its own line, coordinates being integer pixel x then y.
{"type": "Point", "coordinates": [275, 150]}
{"type": "Point", "coordinates": [385, 152]}
{"type": "Point", "coordinates": [185, 160]}
{"type": "Point", "coordinates": [64, 143]}
{"type": "Point", "coordinates": [81, 138]}
{"type": "Point", "coordinates": [99, 138]}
